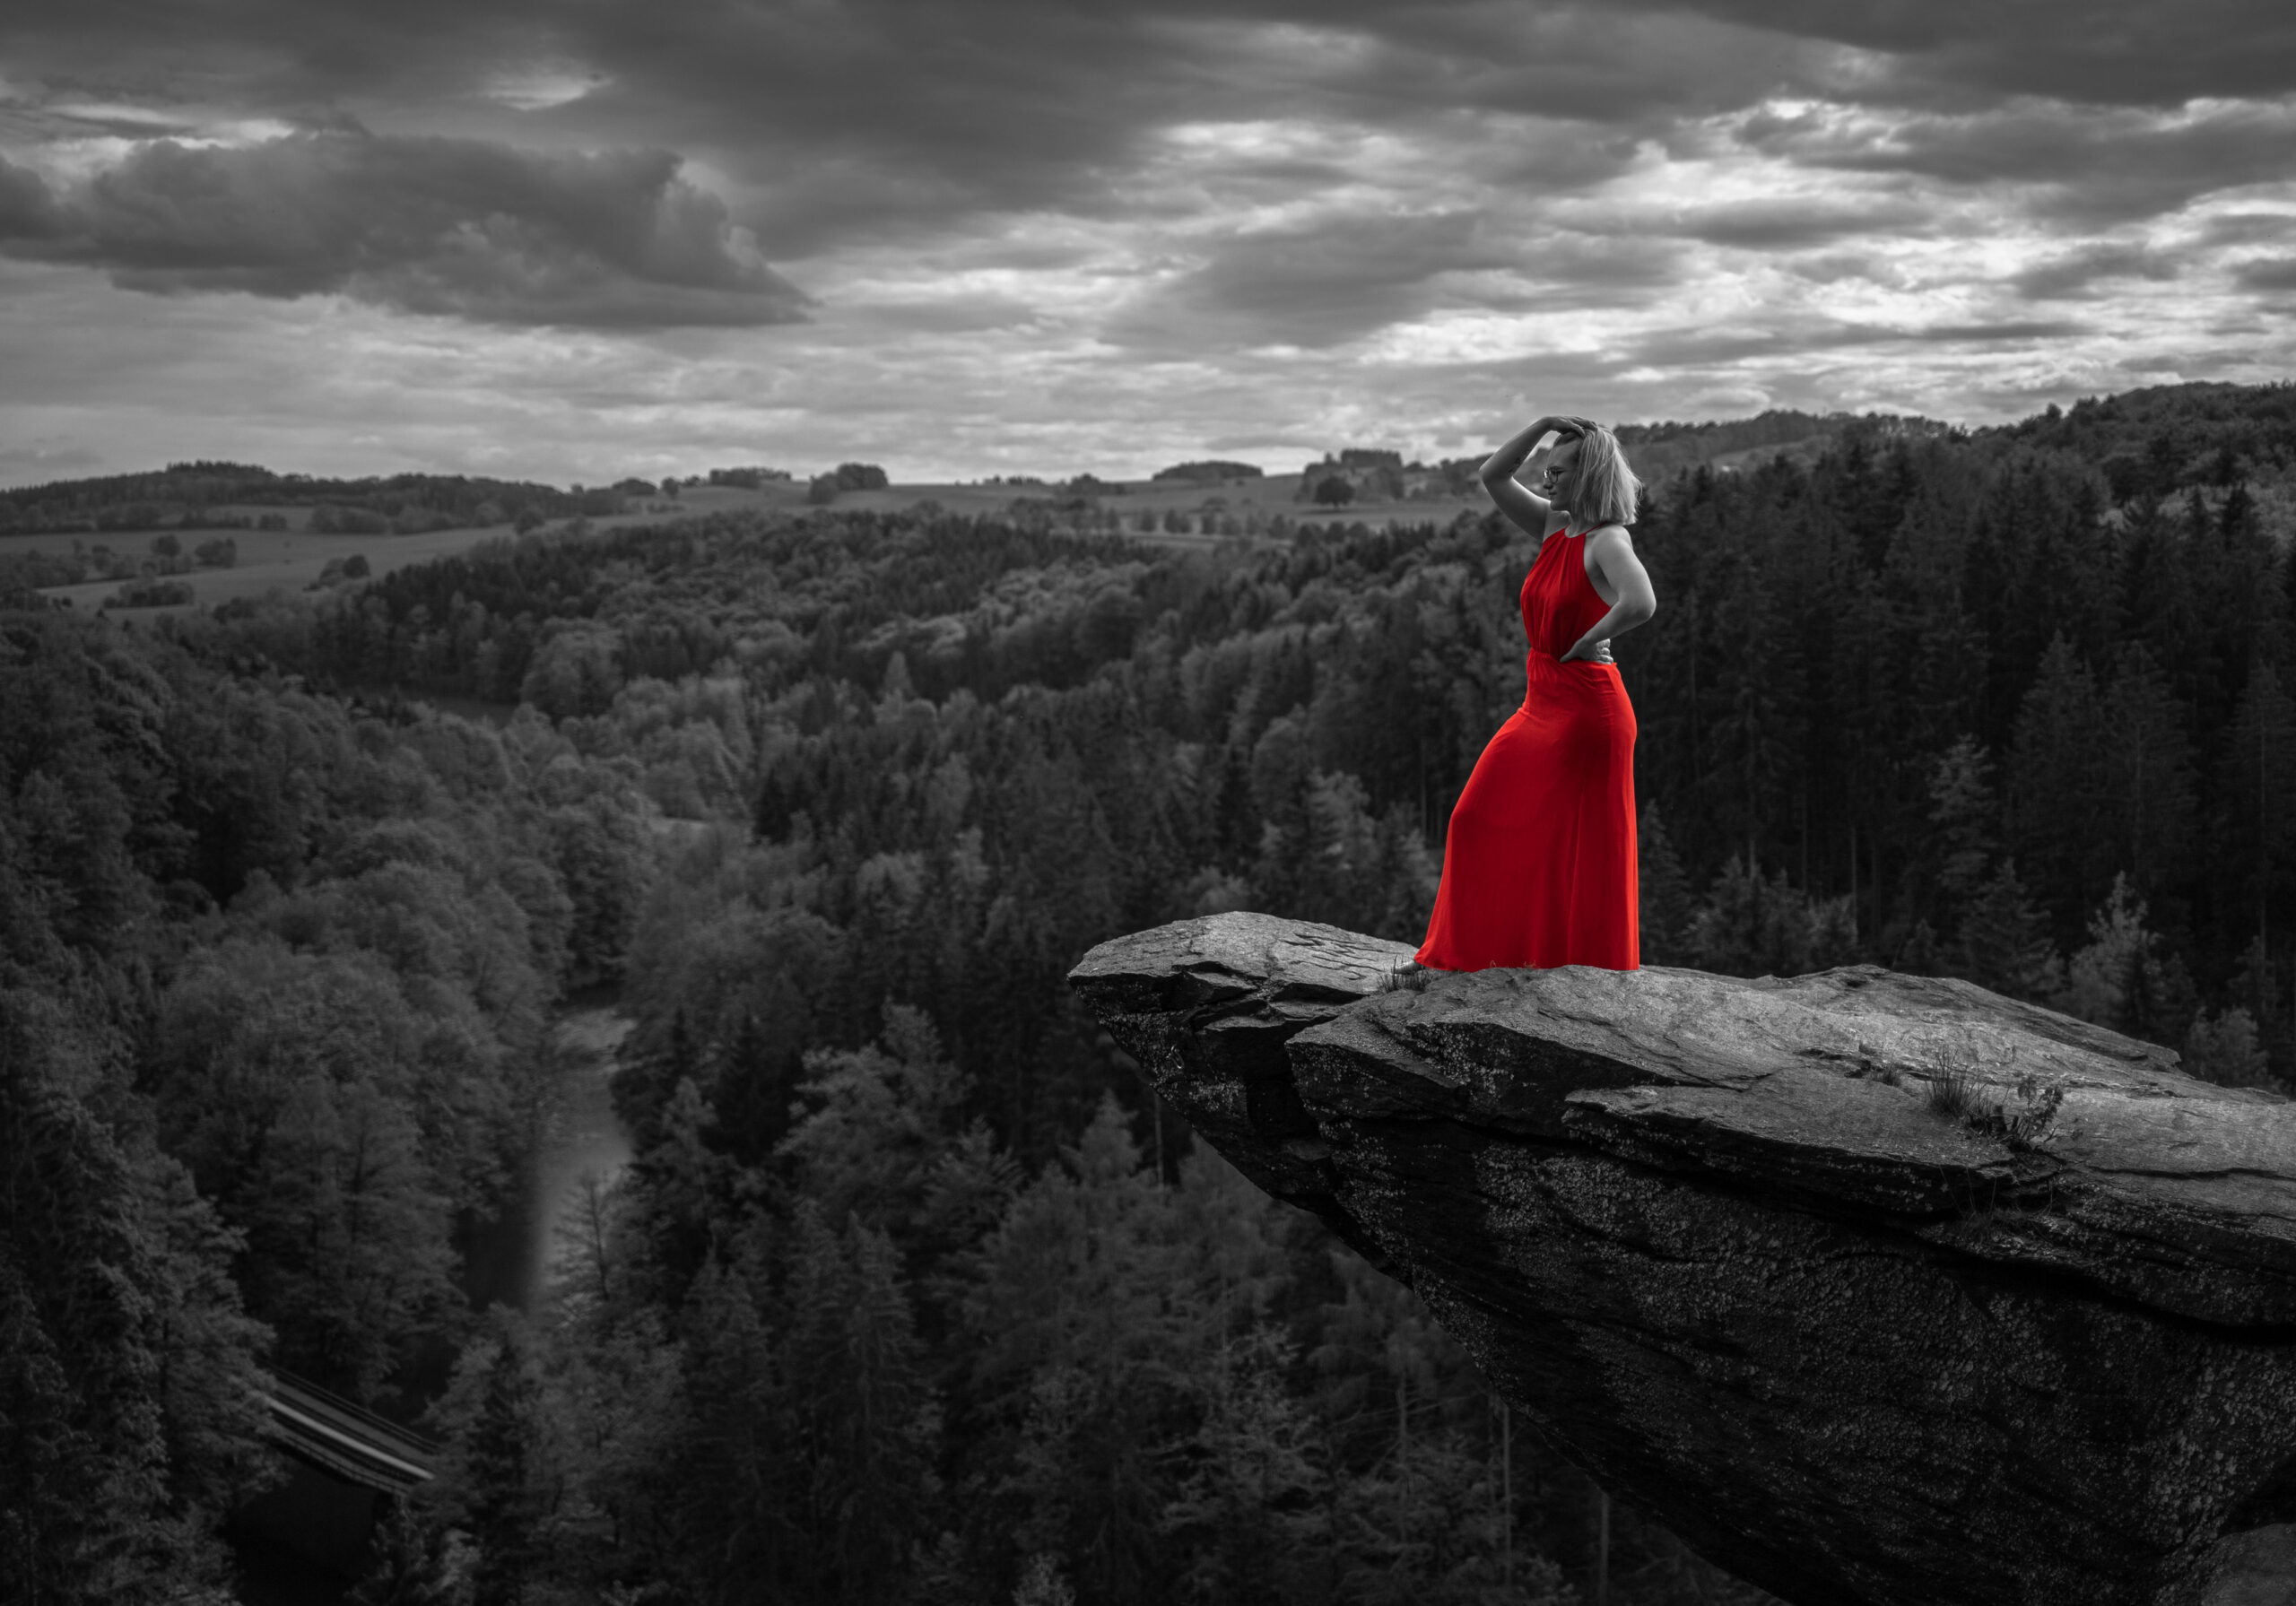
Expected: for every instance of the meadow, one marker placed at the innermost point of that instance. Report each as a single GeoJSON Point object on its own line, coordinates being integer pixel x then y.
{"type": "Point", "coordinates": [294, 558]}
{"type": "Point", "coordinates": [1167, 512]}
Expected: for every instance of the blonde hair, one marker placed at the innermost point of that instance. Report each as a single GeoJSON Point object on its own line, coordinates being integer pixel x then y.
{"type": "Point", "coordinates": [1603, 489]}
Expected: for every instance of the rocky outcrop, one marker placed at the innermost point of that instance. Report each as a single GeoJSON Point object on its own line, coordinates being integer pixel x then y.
{"type": "Point", "coordinates": [1877, 1288]}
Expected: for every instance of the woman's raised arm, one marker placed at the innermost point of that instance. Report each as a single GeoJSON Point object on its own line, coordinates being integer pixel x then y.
{"type": "Point", "coordinates": [1530, 512]}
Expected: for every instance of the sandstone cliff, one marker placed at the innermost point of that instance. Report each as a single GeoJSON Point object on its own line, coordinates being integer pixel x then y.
{"type": "Point", "coordinates": [1877, 1288]}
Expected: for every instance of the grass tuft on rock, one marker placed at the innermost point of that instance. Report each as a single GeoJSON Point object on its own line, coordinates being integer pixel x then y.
{"type": "Point", "coordinates": [2019, 1120]}
{"type": "Point", "coordinates": [1953, 1094]}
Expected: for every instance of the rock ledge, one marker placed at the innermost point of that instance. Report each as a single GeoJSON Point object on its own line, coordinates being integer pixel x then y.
{"type": "Point", "coordinates": [1878, 1288]}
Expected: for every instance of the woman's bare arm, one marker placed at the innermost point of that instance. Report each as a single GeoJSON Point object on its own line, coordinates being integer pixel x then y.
{"type": "Point", "coordinates": [1612, 551]}
{"type": "Point", "coordinates": [1529, 513]}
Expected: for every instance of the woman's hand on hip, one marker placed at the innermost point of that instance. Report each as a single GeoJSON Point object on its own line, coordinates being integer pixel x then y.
{"type": "Point", "coordinates": [1587, 652]}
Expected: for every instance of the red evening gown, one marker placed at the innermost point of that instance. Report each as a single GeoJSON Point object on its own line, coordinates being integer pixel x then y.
{"type": "Point", "coordinates": [1538, 865]}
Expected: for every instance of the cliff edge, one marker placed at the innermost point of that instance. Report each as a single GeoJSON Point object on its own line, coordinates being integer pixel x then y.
{"type": "Point", "coordinates": [1877, 1288]}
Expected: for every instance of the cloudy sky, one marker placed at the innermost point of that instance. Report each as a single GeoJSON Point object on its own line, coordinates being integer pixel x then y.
{"type": "Point", "coordinates": [572, 240]}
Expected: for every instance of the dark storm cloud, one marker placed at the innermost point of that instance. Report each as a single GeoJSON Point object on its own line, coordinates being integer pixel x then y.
{"type": "Point", "coordinates": [1703, 348]}
{"type": "Point", "coordinates": [27, 211]}
{"type": "Point", "coordinates": [839, 118]}
{"type": "Point", "coordinates": [886, 116]}
{"type": "Point", "coordinates": [1791, 225]}
{"type": "Point", "coordinates": [1584, 270]}
{"type": "Point", "coordinates": [2247, 228]}
{"type": "Point", "coordinates": [2270, 276]}
{"type": "Point", "coordinates": [2081, 271]}
{"type": "Point", "coordinates": [961, 314]}
{"type": "Point", "coordinates": [2092, 166]}
{"type": "Point", "coordinates": [1345, 276]}
{"type": "Point", "coordinates": [882, 119]}
{"type": "Point", "coordinates": [284, 56]}
{"type": "Point", "coordinates": [889, 115]}
{"type": "Point", "coordinates": [1601, 65]}
{"type": "Point", "coordinates": [1836, 267]}
{"type": "Point", "coordinates": [2011, 332]}
{"type": "Point", "coordinates": [458, 227]}
{"type": "Point", "coordinates": [2108, 52]}
{"type": "Point", "coordinates": [1314, 286]}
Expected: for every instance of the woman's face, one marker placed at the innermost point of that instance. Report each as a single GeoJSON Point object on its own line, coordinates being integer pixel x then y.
{"type": "Point", "coordinates": [1554, 478]}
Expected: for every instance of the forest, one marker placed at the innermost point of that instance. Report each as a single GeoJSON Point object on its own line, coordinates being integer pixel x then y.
{"type": "Point", "coordinates": [911, 1292]}
{"type": "Point", "coordinates": [200, 496]}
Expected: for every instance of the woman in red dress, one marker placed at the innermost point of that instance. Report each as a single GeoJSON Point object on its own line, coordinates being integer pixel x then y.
{"type": "Point", "coordinates": [1538, 864]}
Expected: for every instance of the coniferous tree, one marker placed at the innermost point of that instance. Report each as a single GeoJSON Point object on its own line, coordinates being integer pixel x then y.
{"type": "Point", "coordinates": [878, 1129]}
{"type": "Point", "coordinates": [2149, 771]}
{"type": "Point", "coordinates": [1963, 810]}
{"type": "Point", "coordinates": [1753, 926]}
{"type": "Point", "coordinates": [1664, 890]}
{"type": "Point", "coordinates": [130, 1420]}
{"type": "Point", "coordinates": [2004, 941]}
{"type": "Point", "coordinates": [2058, 785]}
{"type": "Point", "coordinates": [861, 1423]}
{"type": "Point", "coordinates": [2123, 978]}
{"type": "Point", "coordinates": [1075, 1314]}
{"type": "Point", "coordinates": [496, 1483]}
{"type": "Point", "coordinates": [756, 1079]}
{"type": "Point", "coordinates": [2256, 987]}
{"type": "Point", "coordinates": [2257, 800]}
{"type": "Point", "coordinates": [1917, 950]}
{"type": "Point", "coordinates": [722, 1475]}
{"type": "Point", "coordinates": [2226, 1049]}
{"type": "Point", "coordinates": [1754, 730]}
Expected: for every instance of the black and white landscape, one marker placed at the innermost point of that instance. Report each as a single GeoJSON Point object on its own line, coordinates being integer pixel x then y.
{"type": "Point", "coordinates": [599, 605]}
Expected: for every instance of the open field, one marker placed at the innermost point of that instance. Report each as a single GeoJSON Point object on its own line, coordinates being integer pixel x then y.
{"type": "Point", "coordinates": [291, 560]}
{"type": "Point", "coordinates": [269, 559]}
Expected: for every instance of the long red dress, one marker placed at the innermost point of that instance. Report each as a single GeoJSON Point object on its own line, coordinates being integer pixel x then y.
{"type": "Point", "coordinates": [1538, 865]}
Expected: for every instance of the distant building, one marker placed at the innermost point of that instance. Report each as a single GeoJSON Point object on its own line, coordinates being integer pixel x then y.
{"type": "Point", "coordinates": [1369, 474]}
{"type": "Point", "coordinates": [1373, 475]}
